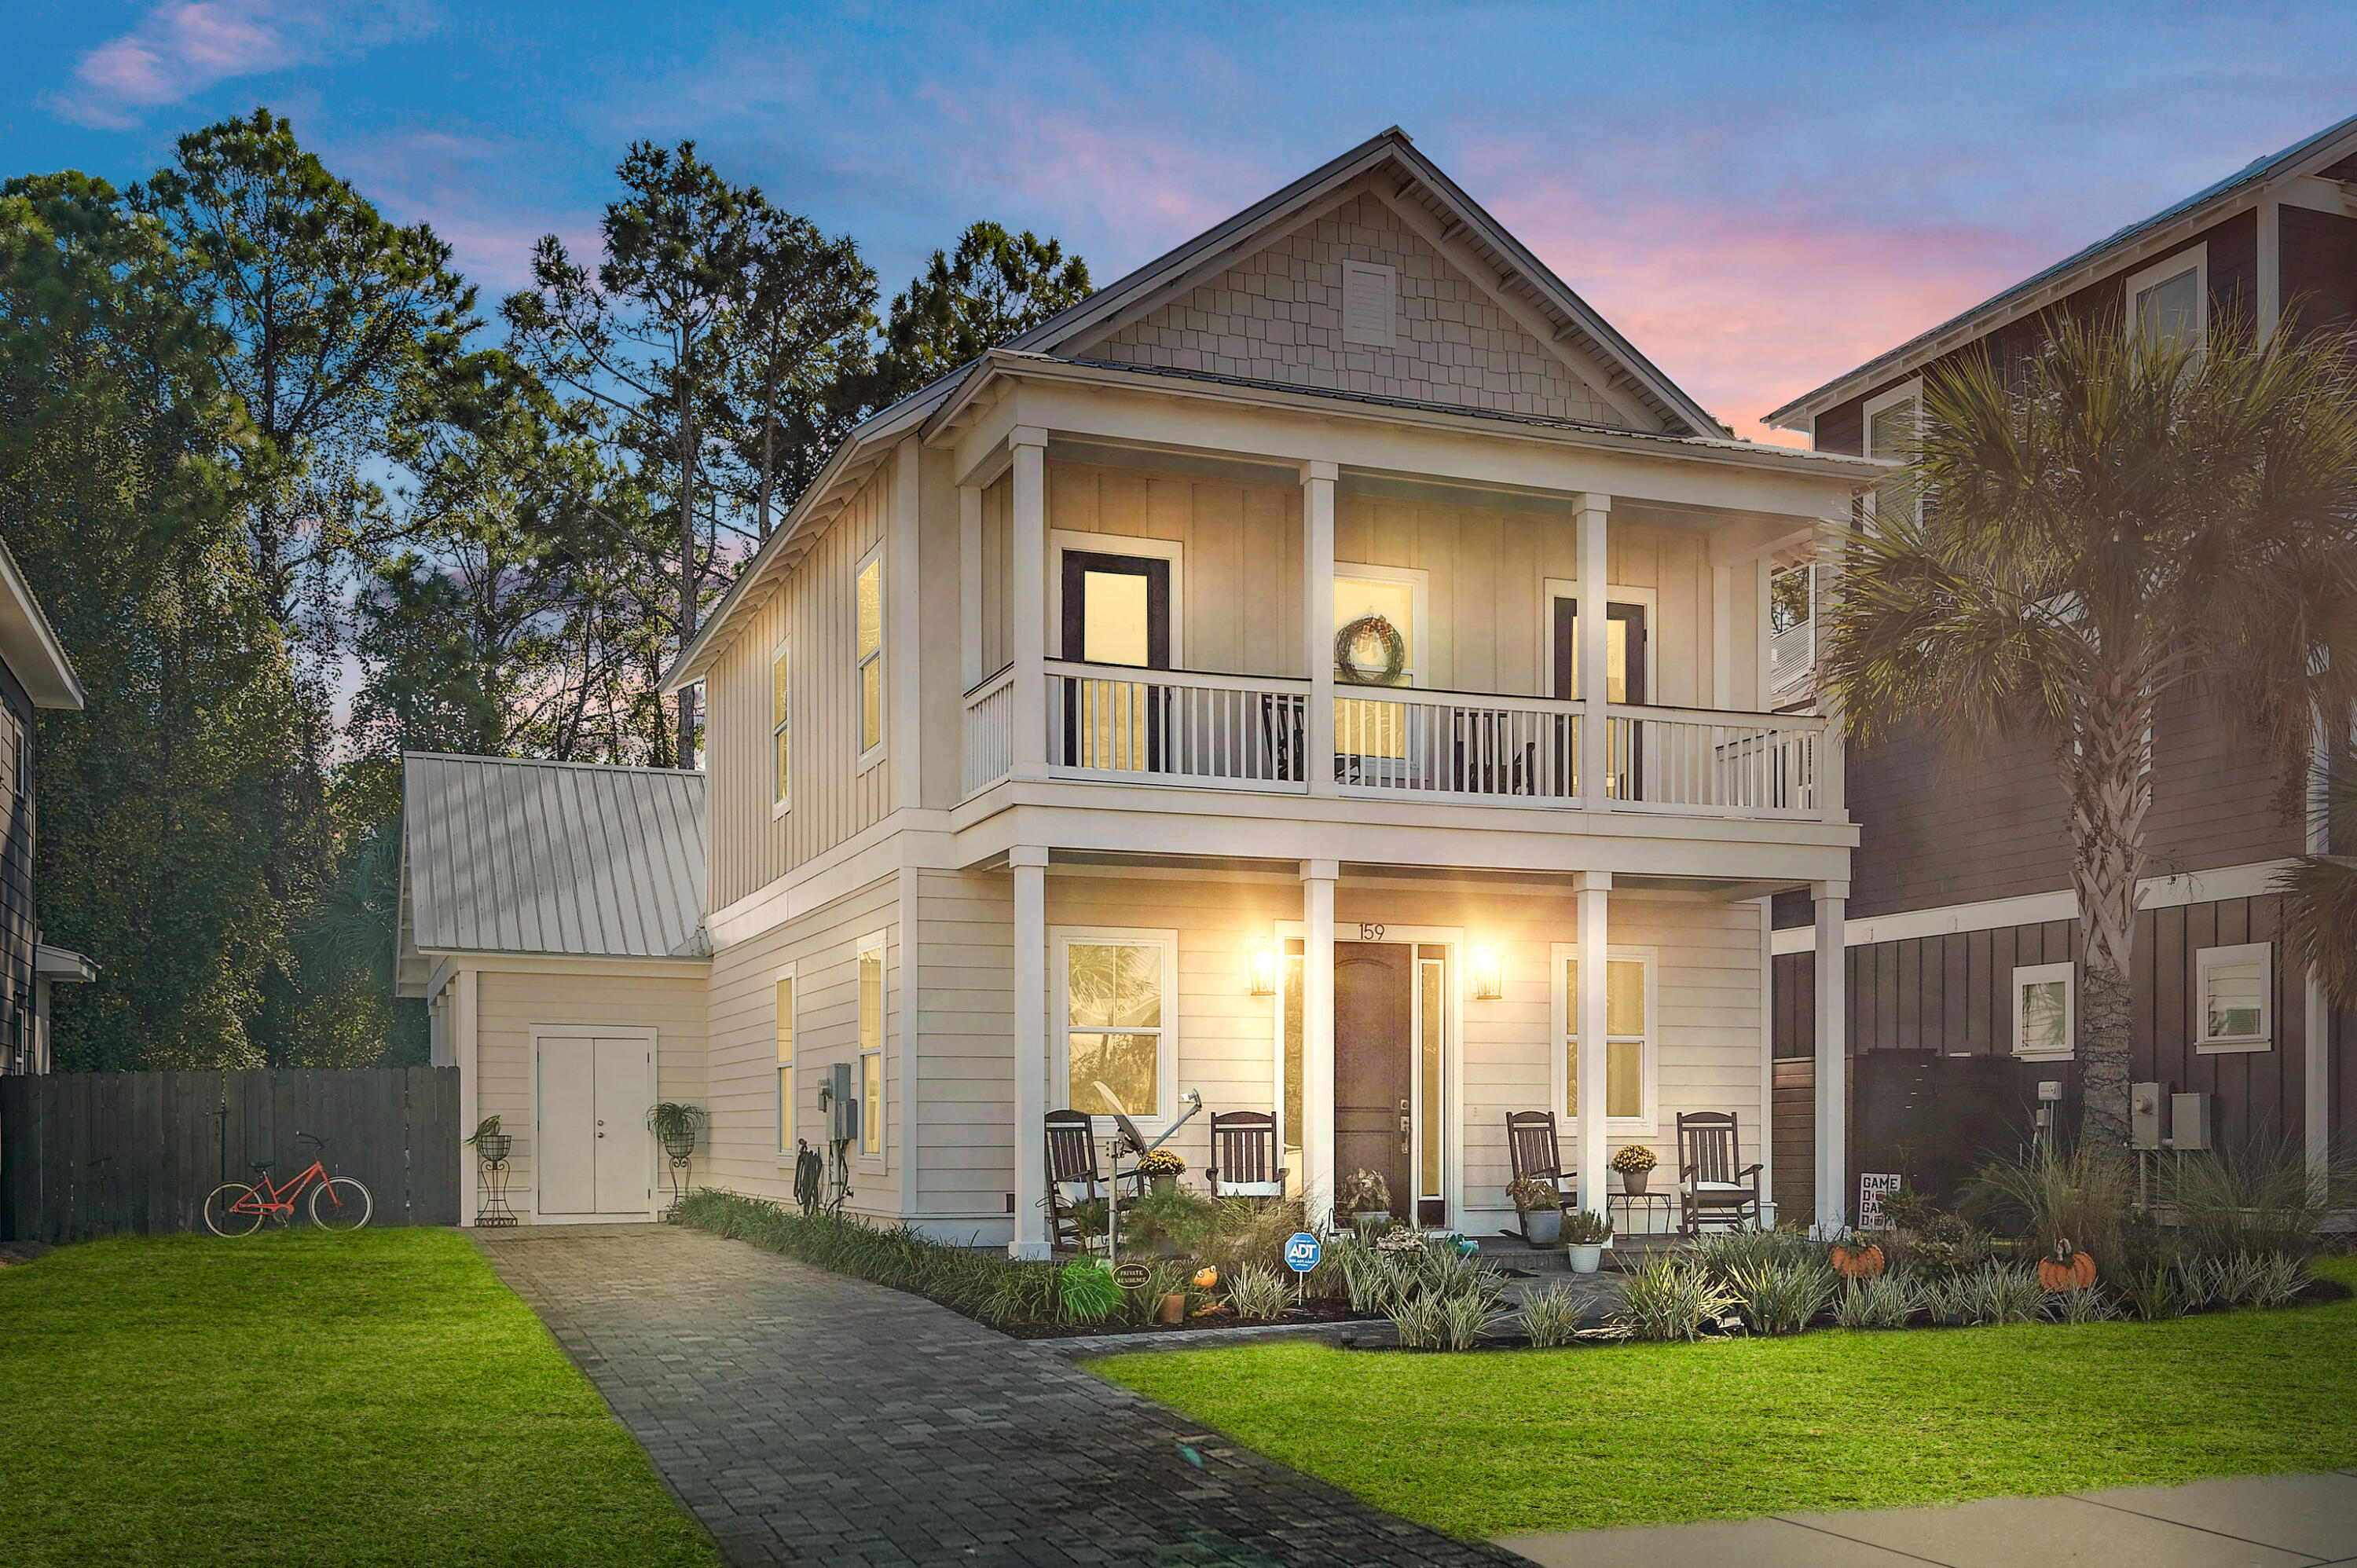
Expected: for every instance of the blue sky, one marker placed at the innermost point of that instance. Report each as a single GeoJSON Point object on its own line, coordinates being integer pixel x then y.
{"type": "Point", "coordinates": [1759, 197]}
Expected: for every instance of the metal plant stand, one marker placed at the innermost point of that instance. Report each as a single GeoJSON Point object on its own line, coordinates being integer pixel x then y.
{"type": "Point", "coordinates": [682, 1153]}
{"type": "Point", "coordinates": [493, 1152]}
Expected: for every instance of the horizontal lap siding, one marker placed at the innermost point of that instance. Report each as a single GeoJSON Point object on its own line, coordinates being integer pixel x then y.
{"type": "Point", "coordinates": [1242, 599]}
{"type": "Point", "coordinates": [510, 1005]}
{"type": "Point", "coordinates": [1487, 571]}
{"type": "Point", "coordinates": [832, 799]}
{"type": "Point", "coordinates": [824, 947]}
{"type": "Point", "coordinates": [965, 1055]}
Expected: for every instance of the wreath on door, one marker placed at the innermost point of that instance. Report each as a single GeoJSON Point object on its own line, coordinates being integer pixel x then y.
{"type": "Point", "coordinates": [1378, 631]}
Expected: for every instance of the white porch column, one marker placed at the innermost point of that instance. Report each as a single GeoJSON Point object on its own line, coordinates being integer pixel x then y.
{"type": "Point", "coordinates": [2316, 1021]}
{"type": "Point", "coordinates": [1595, 889]}
{"type": "Point", "coordinates": [464, 1012]}
{"type": "Point", "coordinates": [1318, 643]}
{"type": "Point", "coordinates": [1027, 596]}
{"type": "Point", "coordinates": [1317, 1036]}
{"type": "Point", "coordinates": [1029, 864]}
{"type": "Point", "coordinates": [1767, 907]}
{"type": "Point", "coordinates": [1833, 1058]}
{"type": "Point", "coordinates": [969, 669]}
{"type": "Point", "coordinates": [1593, 513]}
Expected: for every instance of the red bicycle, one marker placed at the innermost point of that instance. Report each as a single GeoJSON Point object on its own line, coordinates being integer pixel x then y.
{"type": "Point", "coordinates": [337, 1203]}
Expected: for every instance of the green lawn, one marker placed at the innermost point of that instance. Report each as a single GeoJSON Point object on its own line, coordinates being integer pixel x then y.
{"type": "Point", "coordinates": [299, 1398]}
{"type": "Point", "coordinates": [1502, 1442]}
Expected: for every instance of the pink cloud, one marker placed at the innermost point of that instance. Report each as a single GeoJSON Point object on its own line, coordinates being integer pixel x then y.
{"type": "Point", "coordinates": [178, 49]}
{"type": "Point", "coordinates": [1747, 309]}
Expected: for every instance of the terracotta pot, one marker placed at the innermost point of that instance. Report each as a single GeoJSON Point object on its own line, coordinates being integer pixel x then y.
{"type": "Point", "coordinates": [1174, 1307]}
{"type": "Point", "coordinates": [1633, 1182]}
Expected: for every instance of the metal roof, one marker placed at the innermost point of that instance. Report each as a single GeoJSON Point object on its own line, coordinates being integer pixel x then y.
{"type": "Point", "coordinates": [1882, 366]}
{"type": "Point", "coordinates": [504, 854]}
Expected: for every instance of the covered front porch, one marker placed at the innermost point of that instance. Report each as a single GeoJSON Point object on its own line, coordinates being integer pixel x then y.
{"type": "Point", "coordinates": [1389, 1018]}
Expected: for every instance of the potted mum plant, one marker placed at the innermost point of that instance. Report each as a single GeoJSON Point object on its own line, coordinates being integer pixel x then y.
{"type": "Point", "coordinates": [1164, 1167]}
{"type": "Point", "coordinates": [1541, 1208]}
{"type": "Point", "coordinates": [1585, 1234]}
{"type": "Point", "coordinates": [1635, 1162]}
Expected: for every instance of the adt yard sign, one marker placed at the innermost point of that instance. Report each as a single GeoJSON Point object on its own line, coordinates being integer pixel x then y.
{"type": "Point", "coordinates": [1301, 1252]}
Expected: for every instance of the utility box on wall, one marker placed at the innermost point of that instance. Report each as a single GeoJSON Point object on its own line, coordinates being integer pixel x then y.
{"type": "Point", "coordinates": [2143, 1115]}
{"type": "Point", "coordinates": [2189, 1121]}
{"type": "Point", "coordinates": [841, 1106]}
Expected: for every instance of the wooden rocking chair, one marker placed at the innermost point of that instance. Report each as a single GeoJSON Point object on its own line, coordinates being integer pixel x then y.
{"type": "Point", "coordinates": [1073, 1178]}
{"type": "Point", "coordinates": [1245, 1161]}
{"type": "Point", "coordinates": [1711, 1189]}
{"type": "Point", "coordinates": [1531, 1143]}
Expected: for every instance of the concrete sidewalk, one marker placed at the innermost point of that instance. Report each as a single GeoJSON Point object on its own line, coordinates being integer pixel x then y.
{"type": "Point", "coordinates": [2254, 1521]}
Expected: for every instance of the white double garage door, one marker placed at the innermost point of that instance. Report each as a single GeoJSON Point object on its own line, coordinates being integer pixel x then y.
{"type": "Point", "coordinates": [591, 1094]}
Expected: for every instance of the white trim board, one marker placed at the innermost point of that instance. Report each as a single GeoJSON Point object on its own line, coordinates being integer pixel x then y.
{"type": "Point", "coordinates": [2175, 892]}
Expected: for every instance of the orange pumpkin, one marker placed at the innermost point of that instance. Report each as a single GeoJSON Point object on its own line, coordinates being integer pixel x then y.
{"type": "Point", "coordinates": [1859, 1263]}
{"type": "Point", "coordinates": [2066, 1270]}
{"type": "Point", "coordinates": [1206, 1278]}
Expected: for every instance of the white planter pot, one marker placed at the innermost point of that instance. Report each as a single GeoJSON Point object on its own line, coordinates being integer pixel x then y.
{"type": "Point", "coordinates": [1585, 1260]}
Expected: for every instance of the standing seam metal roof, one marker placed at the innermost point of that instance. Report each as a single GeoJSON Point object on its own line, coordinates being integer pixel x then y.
{"type": "Point", "coordinates": [505, 855]}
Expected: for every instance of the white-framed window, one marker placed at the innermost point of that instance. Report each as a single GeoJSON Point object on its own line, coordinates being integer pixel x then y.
{"type": "Point", "coordinates": [871, 1047]}
{"type": "Point", "coordinates": [1894, 423]}
{"type": "Point", "coordinates": [870, 650]}
{"type": "Point", "coordinates": [2169, 300]}
{"type": "Point", "coordinates": [785, 1032]}
{"type": "Point", "coordinates": [1631, 1053]}
{"type": "Point", "coordinates": [1116, 1044]}
{"type": "Point", "coordinates": [2045, 1010]}
{"type": "Point", "coordinates": [2234, 990]}
{"type": "Point", "coordinates": [1370, 305]}
{"type": "Point", "coordinates": [780, 722]}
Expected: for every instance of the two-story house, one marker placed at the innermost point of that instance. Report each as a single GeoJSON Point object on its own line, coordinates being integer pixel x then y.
{"type": "Point", "coordinates": [1961, 933]}
{"type": "Point", "coordinates": [1325, 671]}
{"type": "Point", "coordinates": [35, 677]}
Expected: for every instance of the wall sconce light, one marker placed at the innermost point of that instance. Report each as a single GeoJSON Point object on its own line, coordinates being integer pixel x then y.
{"type": "Point", "coordinates": [1489, 973]}
{"type": "Point", "coordinates": [1261, 966]}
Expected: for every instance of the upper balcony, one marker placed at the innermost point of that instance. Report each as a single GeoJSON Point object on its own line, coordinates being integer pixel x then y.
{"type": "Point", "coordinates": [1215, 629]}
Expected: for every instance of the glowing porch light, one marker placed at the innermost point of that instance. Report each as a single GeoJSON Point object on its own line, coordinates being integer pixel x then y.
{"type": "Point", "coordinates": [1489, 973]}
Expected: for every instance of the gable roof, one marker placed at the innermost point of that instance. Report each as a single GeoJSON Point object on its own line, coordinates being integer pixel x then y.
{"type": "Point", "coordinates": [2318, 150]}
{"type": "Point", "coordinates": [29, 644]}
{"type": "Point", "coordinates": [1477, 240]}
{"type": "Point", "coordinates": [504, 854]}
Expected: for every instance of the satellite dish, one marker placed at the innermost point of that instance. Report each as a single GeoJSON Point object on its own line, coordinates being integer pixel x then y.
{"type": "Point", "coordinates": [1137, 1139]}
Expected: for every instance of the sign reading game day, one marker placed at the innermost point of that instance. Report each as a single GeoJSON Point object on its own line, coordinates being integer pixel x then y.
{"type": "Point", "coordinates": [1871, 1186]}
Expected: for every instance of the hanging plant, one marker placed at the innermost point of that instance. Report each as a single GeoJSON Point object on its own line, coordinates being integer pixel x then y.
{"type": "Point", "coordinates": [1378, 631]}
{"type": "Point", "coordinates": [676, 1125]}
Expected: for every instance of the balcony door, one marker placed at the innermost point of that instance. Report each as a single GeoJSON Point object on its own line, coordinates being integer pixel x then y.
{"type": "Point", "coordinates": [1116, 612]}
{"type": "Point", "coordinates": [1624, 681]}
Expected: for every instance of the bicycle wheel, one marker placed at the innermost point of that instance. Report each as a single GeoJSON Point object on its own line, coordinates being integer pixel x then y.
{"type": "Point", "coordinates": [222, 1215]}
{"type": "Point", "coordinates": [339, 1203]}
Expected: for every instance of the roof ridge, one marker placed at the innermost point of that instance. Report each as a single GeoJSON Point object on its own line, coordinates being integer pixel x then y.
{"type": "Point", "coordinates": [697, 774]}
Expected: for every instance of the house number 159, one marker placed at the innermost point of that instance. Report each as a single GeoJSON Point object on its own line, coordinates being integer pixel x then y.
{"type": "Point", "coordinates": [1370, 933]}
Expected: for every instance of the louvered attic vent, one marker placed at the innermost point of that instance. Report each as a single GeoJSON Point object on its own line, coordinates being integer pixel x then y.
{"type": "Point", "coordinates": [1370, 305]}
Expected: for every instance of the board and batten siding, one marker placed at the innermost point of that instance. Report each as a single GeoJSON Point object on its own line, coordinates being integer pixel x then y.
{"type": "Point", "coordinates": [824, 949]}
{"type": "Point", "coordinates": [511, 1003]}
{"type": "Point", "coordinates": [832, 799]}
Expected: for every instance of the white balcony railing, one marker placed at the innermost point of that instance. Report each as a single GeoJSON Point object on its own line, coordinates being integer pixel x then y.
{"type": "Point", "coordinates": [989, 732]}
{"type": "Point", "coordinates": [1176, 726]}
{"type": "Point", "coordinates": [1456, 745]}
{"type": "Point", "coordinates": [1706, 761]}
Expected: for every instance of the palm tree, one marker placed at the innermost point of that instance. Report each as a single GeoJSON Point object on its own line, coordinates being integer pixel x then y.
{"type": "Point", "coordinates": [2082, 533]}
{"type": "Point", "coordinates": [2319, 896]}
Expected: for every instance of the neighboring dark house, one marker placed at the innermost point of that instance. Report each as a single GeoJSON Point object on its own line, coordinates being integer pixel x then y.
{"type": "Point", "coordinates": [34, 674]}
{"type": "Point", "coordinates": [1963, 933]}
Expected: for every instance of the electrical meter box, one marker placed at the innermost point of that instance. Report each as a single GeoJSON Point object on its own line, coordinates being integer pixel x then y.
{"type": "Point", "coordinates": [842, 1105]}
{"type": "Point", "coordinates": [2143, 1115]}
{"type": "Point", "coordinates": [2189, 1120]}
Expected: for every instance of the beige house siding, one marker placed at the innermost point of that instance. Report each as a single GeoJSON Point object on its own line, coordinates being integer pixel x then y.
{"type": "Point", "coordinates": [511, 1003]}
{"type": "Point", "coordinates": [824, 949]}
{"type": "Point", "coordinates": [1241, 613]}
{"type": "Point", "coordinates": [965, 1055]}
{"type": "Point", "coordinates": [1276, 315]}
{"type": "Point", "coordinates": [832, 799]}
{"type": "Point", "coordinates": [1487, 571]}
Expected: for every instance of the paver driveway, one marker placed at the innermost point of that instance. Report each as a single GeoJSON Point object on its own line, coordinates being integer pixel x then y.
{"type": "Point", "coordinates": [808, 1418]}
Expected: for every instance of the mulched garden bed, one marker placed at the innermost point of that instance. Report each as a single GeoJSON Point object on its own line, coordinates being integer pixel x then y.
{"type": "Point", "coordinates": [1312, 1312]}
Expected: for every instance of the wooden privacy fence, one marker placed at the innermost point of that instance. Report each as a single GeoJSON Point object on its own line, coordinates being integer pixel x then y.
{"type": "Point", "coordinates": [101, 1154]}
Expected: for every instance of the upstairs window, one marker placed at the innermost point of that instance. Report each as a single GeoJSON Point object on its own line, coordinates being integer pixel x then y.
{"type": "Point", "coordinates": [779, 709]}
{"type": "Point", "coordinates": [2045, 1022]}
{"type": "Point", "coordinates": [871, 656]}
{"type": "Point", "coordinates": [2168, 302]}
{"type": "Point", "coordinates": [1894, 423]}
{"type": "Point", "coordinates": [2231, 998]}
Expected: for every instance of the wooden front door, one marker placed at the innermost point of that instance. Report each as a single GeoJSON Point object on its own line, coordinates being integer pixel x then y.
{"type": "Point", "coordinates": [1375, 1019]}
{"type": "Point", "coordinates": [1116, 612]}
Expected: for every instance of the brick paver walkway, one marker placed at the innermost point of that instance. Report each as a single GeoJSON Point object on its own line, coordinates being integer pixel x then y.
{"type": "Point", "coordinates": [805, 1417]}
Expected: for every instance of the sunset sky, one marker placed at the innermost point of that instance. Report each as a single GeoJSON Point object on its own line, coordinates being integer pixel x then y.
{"type": "Point", "coordinates": [1758, 196]}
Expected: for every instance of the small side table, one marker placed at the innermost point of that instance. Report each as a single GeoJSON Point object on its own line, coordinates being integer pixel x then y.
{"type": "Point", "coordinates": [1623, 1207]}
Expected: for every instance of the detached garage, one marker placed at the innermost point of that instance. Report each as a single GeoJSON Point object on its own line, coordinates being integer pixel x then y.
{"type": "Point", "coordinates": [552, 915]}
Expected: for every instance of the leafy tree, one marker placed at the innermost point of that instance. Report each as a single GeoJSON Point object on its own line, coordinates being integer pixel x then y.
{"type": "Point", "coordinates": [2119, 518]}
{"type": "Point", "coordinates": [645, 335]}
{"type": "Point", "coordinates": [799, 332]}
{"type": "Point", "coordinates": [994, 286]}
{"type": "Point", "coordinates": [2320, 893]}
{"type": "Point", "coordinates": [120, 454]}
